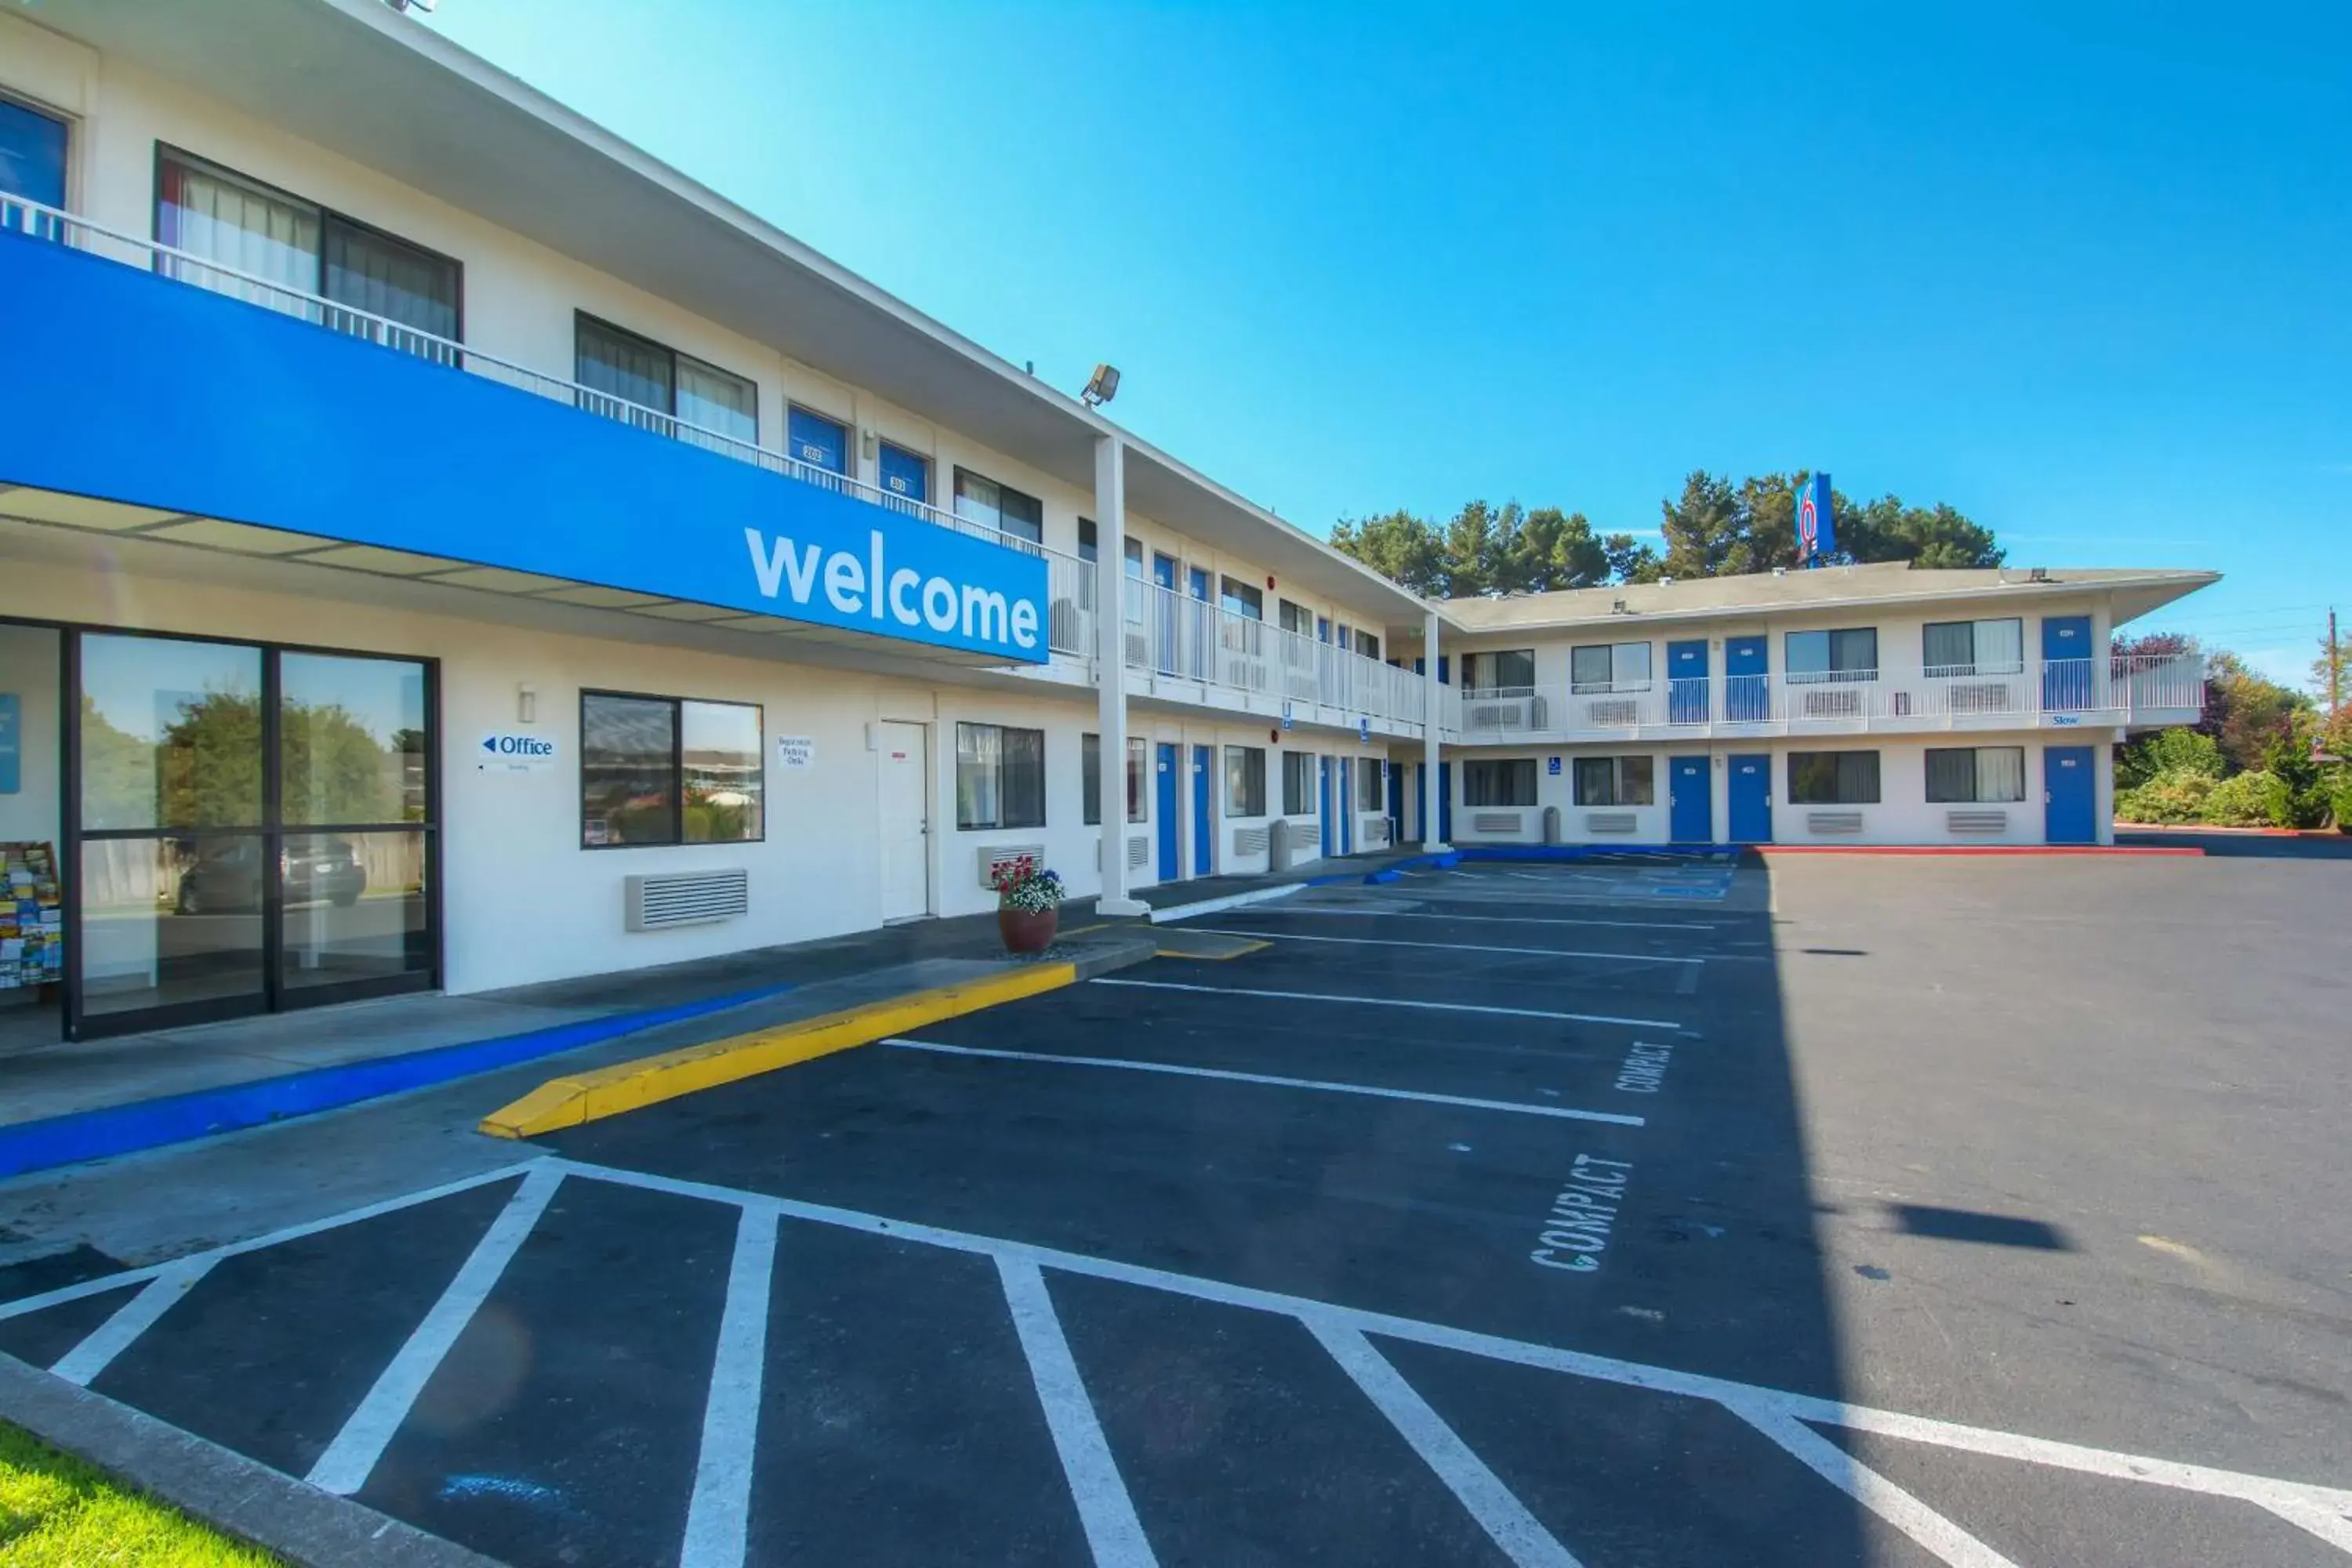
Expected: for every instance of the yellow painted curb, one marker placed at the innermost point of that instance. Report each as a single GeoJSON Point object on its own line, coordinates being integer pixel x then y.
{"type": "Point", "coordinates": [1240, 949]}
{"type": "Point", "coordinates": [586, 1097]}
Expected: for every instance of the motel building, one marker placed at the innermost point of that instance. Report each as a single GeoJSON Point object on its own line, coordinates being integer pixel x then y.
{"type": "Point", "coordinates": [441, 547]}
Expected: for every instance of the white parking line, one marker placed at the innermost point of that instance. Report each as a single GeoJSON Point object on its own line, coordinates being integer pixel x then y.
{"type": "Point", "coordinates": [129, 1321]}
{"type": "Point", "coordinates": [345, 1468]}
{"type": "Point", "coordinates": [1563, 1112]}
{"type": "Point", "coordinates": [1449, 946]}
{"type": "Point", "coordinates": [1501, 1515]}
{"type": "Point", "coordinates": [1105, 1511]}
{"type": "Point", "coordinates": [1345, 911]}
{"type": "Point", "coordinates": [719, 1517]}
{"type": "Point", "coordinates": [2294, 1500]}
{"type": "Point", "coordinates": [1393, 1002]}
{"type": "Point", "coordinates": [1890, 1503]}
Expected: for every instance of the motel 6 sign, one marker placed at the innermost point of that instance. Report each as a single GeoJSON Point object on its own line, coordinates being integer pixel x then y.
{"type": "Point", "coordinates": [1816, 520]}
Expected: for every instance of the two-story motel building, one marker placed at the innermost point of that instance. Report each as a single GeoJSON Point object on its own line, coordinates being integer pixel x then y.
{"type": "Point", "coordinates": [441, 546]}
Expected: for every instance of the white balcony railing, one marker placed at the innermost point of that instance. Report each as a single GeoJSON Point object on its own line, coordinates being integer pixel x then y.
{"type": "Point", "coordinates": [2123, 689]}
{"type": "Point", "coordinates": [1171, 635]}
{"type": "Point", "coordinates": [21, 216]}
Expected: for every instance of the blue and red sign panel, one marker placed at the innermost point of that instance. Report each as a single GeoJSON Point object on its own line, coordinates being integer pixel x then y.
{"type": "Point", "coordinates": [1816, 524]}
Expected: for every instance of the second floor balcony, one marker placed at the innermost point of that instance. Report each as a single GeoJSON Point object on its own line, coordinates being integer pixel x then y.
{"type": "Point", "coordinates": [2120, 692]}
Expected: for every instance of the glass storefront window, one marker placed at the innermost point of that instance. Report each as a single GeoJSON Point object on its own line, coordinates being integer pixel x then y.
{"type": "Point", "coordinates": [169, 920]}
{"type": "Point", "coordinates": [355, 908]}
{"type": "Point", "coordinates": [171, 733]}
{"type": "Point", "coordinates": [351, 740]}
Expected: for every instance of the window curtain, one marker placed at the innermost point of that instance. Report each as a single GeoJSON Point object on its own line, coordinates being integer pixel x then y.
{"type": "Point", "coordinates": [2000, 646]}
{"type": "Point", "coordinates": [624, 367]}
{"type": "Point", "coordinates": [1587, 669]}
{"type": "Point", "coordinates": [720, 402]}
{"type": "Point", "coordinates": [238, 225]}
{"type": "Point", "coordinates": [1023, 781]}
{"type": "Point", "coordinates": [1950, 647]}
{"type": "Point", "coordinates": [2001, 772]}
{"type": "Point", "coordinates": [380, 275]}
{"type": "Point", "coordinates": [1952, 776]}
{"type": "Point", "coordinates": [979, 752]}
{"type": "Point", "coordinates": [1596, 781]}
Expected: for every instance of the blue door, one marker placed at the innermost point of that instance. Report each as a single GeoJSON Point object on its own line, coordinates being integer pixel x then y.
{"type": "Point", "coordinates": [1751, 798]}
{"type": "Point", "coordinates": [1421, 799]}
{"type": "Point", "coordinates": [1444, 792]}
{"type": "Point", "coordinates": [1747, 683]}
{"type": "Point", "coordinates": [1686, 682]}
{"type": "Point", "coordinates": [2066, 663]}
{"type": "Point", "coordinates": [1692, 818]}
{"type": "Point", "coordinates": [1326, 841]}
{"type": "Point", "coordinates": [906, 475]}
{"type": "Point", "coordinates": [2069, 795]}
{"type": "Point", "coordinates": [1204, 763]}
{"type": "Point", "coordinates": [1164, 803]}
{"type": "Point", "coordinates": [1396, 803]}
{"type": "Point", "coordinates": [819, 442]}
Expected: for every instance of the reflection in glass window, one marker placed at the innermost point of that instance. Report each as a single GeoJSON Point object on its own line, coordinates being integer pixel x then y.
{"type": "Point", "coordinates": [1833, 778]}
{"type": "Point", "coordinates": [388, 277]}
{"type": "Point", "coordinates": [1615, 781]}
{"type": "Point", "coordinates": [1510, 781]}
{"type": "Point", "coordinates": [350, 739]}
{"type": "Point", "coordinates": [628, 770]}
{"type": "Point", "coordinates": [984, 501]}
{"type": "Point", "coordinates": [718, 401]}
{"type": "Point", "coordinates": [1298, 783]}
{"type": "Point", "coordinates": [1000, 776]}
{"type": "Point", "coordinates": [171, 733]}
{"type": "Point", "coordinates": [1838, 656]}
{"type": "Point", "coordinates": [32, 155]}
{"type": "Point", "coordinates": [722, 783]}
{"type": "Point", "coordinates": [1976, 775]}
{"type": "Point", "coordinates": [1245, 780]}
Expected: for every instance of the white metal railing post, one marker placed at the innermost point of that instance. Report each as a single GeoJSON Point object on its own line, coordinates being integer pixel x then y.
{"type": "Point", "coordinates": [1433, 770]}
{"type": "Point", "coordinates": [1110, 672]}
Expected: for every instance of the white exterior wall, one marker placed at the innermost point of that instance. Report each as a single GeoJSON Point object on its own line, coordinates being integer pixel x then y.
{"type": "Point", "coordinates": [1902, 814]}
{"type": "Point", "coordinates": [519, 298]}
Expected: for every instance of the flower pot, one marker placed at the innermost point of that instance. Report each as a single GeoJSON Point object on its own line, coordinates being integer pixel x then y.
{"type": "Point", "coordinates": [1027, 930]}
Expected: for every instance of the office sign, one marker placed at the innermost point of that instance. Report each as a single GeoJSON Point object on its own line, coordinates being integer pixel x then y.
{"type": "Point", "coordinates": [514, 751]}
{"type": "Point", "coordinates": [1363, 732]}
{"type": "Point", "coordinates": [1816, 520]}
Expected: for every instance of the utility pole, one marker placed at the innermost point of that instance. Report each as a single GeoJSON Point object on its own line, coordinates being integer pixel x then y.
{"type": "Point", "coordinates": [2334, 673]}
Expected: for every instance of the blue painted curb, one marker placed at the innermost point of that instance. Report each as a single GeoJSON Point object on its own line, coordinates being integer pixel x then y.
{"type": "Point", "coordinates": [180, 1118]}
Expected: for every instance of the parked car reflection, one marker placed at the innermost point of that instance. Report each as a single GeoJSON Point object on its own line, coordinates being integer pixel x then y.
{"type": "Point", "coordinates": [226, 876]}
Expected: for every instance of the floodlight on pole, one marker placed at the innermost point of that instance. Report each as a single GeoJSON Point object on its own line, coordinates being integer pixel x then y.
{"type": "Point", "coordinates": [1101, 386]}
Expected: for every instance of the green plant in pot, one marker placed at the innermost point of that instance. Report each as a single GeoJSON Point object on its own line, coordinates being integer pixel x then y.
{"type": "Point", "coordinates": [1028, 907]}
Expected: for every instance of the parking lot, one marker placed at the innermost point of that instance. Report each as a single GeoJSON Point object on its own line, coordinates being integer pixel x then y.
{"type": "Point", "coordinates": [1647, 1210]}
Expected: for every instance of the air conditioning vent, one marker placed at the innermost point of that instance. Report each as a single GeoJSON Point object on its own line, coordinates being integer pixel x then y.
{"type": "Point", "coordinates": [1496, 822]}
{"type": "Point", "coordinates": [1376, 832]}
{"type": "Point", "coordinates": [662, 900]}
{"type": "Point", "coordinates": [1138, 852]}
{"type": "Point", "coordinates": [1833, 822]}
{"type": "Point", "coordinates": [1985, 697]}
{"type": "Point", "coordinates": [1496, 715]}
{"type": "Point", "coordinates": [1977, 821]}
{"type": "Point", "coordinates": [1249, 840]}
{"type": "Point", "coordinates": [995, 857]}
{"type": "Point", "coordinates": [1609, 821]}
{"type": "Point", "coordinates": [1833, 702]}
{"type": "Point", "coordinates": [1616, 715]}
{"type": "Point", "coordinates": [1137, 648]}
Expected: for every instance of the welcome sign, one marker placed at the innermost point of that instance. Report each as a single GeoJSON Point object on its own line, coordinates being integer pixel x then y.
{"type": "Point", "coordinates": [336, 437]}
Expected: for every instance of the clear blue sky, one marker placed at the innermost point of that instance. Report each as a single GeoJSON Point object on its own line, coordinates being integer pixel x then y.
{"type": "Point", "coordinates": [2083, 271]}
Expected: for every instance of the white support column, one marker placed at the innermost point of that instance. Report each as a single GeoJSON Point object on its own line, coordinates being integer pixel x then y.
{"type": "Point", "coordinates": [1432, 801]}
{"type": "Point", "coordinates": [1110, 669]}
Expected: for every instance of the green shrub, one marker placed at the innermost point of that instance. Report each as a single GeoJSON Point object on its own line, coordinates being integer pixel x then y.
{"type": "Point", "coordinates": [2340, 799]}
{"type": "Point", "coordinates": [2168, 797]}
{"type": "Point", "coordinates": [2167, 752]}
{"type": "Point", "coordinates": [2305, 784]}
{"type": "Point", "coordinates": [2249, 800]}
